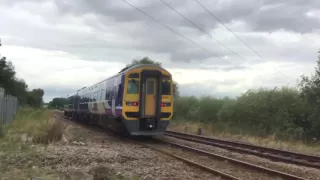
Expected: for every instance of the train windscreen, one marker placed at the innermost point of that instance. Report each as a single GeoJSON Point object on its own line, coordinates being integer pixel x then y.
{"type": "Point", "coordinates": [166, 86]}
{"type": "Point", "coordinates": [133, 86]}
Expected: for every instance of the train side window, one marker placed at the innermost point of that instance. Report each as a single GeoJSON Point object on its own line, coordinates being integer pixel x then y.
{"type": "Point", "coordinates": [98, 95]}
{"type": "Point", "coordinates": [91, 97]}
{"type": "Point", "coordinates": [107, 93]}
{"type": "Point", "coordinates": [133, 86]}
{"type": "Point", "coordinates": [101, 94]}
{"type": "Point", "coordinates": [95, 96]}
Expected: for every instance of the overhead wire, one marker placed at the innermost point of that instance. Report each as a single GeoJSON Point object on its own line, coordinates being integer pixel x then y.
{"type": "Point", "coordinates": [172, 30]}
{"type": "Point", "coordinates": [217, 19]}
{"type": "Point", "coordinates": [202, 30]}
{"type": "Point", "coordinates": [184, 37]}
{"type": "Point", "coordinates": [247, 45]}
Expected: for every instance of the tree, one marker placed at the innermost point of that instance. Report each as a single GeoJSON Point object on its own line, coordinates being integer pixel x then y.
{"type": "Point", "coordinates": [18, 87]}
{"type": "Point", "coordinates": [58, 102]}
{"type": "Point", "coordinates": [310, 91]}
{"type": "Point", "coordinates": [144, 60]}
{"type": "Point", "coordinates": [147, 60]}
{"type": "Point", "coordinates": [35, 98]}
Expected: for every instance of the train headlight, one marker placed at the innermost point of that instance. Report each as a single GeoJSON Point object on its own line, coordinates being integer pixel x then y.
{"type": "Point", "coordinates": [165, 104]}
{"type": "Point", "coordinates": [132, 103]}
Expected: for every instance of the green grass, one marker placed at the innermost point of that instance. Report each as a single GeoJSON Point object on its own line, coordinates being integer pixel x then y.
{"type": "Point", "coordinates": [34, 125]}
{"type": "Point", "coordinates": [30, 129]}
{"type": "Point", "coordinates": [33, 129]}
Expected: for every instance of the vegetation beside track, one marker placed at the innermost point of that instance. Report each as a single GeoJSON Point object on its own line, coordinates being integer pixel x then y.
{"type": "Point", "coordinates": [34, 125]}
{"type": "Point", "coordinates": [22, 144]}
{"type": "Point", "coordinates": [17, 143]}
{"type": "Point", "coordinates": [286, 117]}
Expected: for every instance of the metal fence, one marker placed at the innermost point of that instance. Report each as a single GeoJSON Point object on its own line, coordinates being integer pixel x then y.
{"type": "Point", "coordinates": [8, 108]}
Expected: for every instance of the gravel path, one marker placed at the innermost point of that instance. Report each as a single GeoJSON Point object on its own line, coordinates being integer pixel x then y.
{"type": "Point", "coordinates": [309, 173]}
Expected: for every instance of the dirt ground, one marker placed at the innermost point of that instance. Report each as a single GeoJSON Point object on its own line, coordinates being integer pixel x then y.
{"type": "Point", "coordinates": [86, 153]}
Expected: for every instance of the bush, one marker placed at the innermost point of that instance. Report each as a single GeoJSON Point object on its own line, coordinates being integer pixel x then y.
{"type": "Point", "coordinates": [261, 112]}
{"type": "Point", "coordinates": [37, 125]}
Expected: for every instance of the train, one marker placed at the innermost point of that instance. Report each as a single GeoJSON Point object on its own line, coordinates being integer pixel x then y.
{"type": "Point", "coordinates": [137, 101]}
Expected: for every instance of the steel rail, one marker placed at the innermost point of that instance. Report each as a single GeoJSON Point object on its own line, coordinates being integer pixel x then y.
{"type": "Point", "coordinates": [270, 153]}
{"type": "Point", "coordinates": [236, 161]}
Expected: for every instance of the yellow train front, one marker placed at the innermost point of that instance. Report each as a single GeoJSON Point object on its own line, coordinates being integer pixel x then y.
{"type": "Point", "coordinates": [147, 104]}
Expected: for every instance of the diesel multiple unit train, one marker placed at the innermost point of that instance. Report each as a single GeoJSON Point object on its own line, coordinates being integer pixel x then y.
{"type": "Point", "coordinates": [138, 101]}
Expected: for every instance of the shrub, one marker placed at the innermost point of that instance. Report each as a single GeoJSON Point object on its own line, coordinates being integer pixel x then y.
{"type": "Point", "coordinates": [36, 124]}
{"type": "Point", "coordinates": [261, 112]}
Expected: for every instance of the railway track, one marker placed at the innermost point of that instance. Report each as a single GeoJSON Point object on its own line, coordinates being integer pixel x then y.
{"type": "Point", "coordinates": [147, 145]}
{"type": "Point", "coordinates": [269, 153]}
{"type": "Point", "coordinates": [231, 161]}
{"type": "Point", "coordinates": [214, 170]}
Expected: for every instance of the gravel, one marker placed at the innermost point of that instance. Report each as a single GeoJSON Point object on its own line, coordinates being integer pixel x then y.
{"type": "Point", "coordinates": [306, 172]}
{"type": "Point", "coordinates": [218, 164]}
{"type": "Point", "coordinates": [93, 153]}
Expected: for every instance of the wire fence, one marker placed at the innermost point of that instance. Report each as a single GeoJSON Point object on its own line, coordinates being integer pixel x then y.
{"type": "Point", "coordinates": [8, 107]}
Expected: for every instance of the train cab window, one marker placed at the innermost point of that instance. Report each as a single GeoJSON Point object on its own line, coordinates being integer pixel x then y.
{"type": "Point", "coordinates": [166, 86]}
{"type": "Point", "coordinates": [133, 86]}
{"type": "Point", "coordinates": [134, 75]}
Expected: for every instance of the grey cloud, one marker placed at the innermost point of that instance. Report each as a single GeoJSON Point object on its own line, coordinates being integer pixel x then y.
{"type": "Point", "coordinates": [263, 15]}
{"type": "Point", "coordinates": [54, 91]}
{"type": "Point", "coordinates": [133, 33]}
{"type": "Point", "coordinates": [198, 90]}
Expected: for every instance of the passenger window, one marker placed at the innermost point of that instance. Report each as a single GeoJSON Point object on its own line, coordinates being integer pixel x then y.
{"type": "Point", "coordinates": [101, 96]}
{"type": "Point", "coordinates": [150, 87]}
{"type": "Point", "coordinates": [107, 94]}
{"type": "Point", "coordinates": [133, 86]}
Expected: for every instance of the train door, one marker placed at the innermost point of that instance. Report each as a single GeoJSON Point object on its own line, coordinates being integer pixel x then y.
{"type": "Point", "coordinates": [150, 96]}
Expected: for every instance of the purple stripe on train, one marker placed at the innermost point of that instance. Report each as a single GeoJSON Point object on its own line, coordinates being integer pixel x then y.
{"type": "Point", "coordinates": [109, 112]}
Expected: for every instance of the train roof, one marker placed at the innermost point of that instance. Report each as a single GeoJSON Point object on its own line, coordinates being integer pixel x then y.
{"type": "Point", "coordinates": [138, 66]}
{"type": "Point", "coordinates": [124, 70]}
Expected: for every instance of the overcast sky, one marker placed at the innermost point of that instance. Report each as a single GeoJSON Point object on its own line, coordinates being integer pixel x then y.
{"type": "Point", "coordinates": [61, 45]}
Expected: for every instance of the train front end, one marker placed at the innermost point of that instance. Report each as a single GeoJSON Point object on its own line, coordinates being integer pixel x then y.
{"type": "Point", "coordinates": [147, 101]}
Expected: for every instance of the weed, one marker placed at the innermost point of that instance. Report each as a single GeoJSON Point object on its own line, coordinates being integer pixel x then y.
{"type": "Point", "coordinates": [35, 125]}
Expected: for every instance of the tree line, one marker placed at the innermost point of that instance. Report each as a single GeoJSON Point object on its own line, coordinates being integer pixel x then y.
{"type": "Point", "coordinates": [17, 87]}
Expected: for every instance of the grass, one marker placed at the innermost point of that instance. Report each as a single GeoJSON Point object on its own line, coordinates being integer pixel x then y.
{"type": "Point", "coordinates": [35, 125]}
{"type": "Point", "coordinates": [20, 141]}
{"type": "Point", "coordinates": [220, 131]}
{"type": "Point", "coordinates": [19, 159]}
